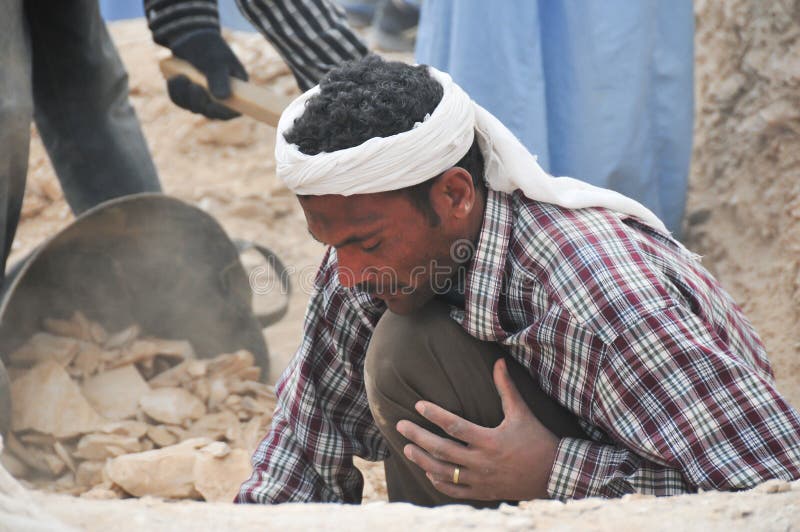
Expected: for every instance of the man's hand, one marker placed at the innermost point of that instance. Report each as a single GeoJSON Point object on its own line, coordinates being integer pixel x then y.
{"type": "Point", "coordinates": [509, 462]}
{"type": "Point", "coordinates": [211, 55]}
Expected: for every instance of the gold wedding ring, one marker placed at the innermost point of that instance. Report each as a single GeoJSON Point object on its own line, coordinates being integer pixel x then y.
{"type": "Point", "coordinates": [456, 473]}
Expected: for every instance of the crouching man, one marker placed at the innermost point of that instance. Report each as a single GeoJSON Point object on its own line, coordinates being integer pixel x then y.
{"type": "Point", "coordinates": [494, 333]}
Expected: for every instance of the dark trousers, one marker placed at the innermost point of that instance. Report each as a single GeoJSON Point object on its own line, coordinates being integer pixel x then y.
{"type": "Point", "coordinates": [428, 356]}
{"type": "Point", "coordinates": [59, 66]}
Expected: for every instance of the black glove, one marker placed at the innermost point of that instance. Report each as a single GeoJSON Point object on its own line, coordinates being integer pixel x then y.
{"type": "Point", "coordinates": [211, 55]}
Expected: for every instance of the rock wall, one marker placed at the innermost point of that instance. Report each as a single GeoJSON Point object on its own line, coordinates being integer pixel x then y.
{"type": "Point", "coordinates": [744, 202]}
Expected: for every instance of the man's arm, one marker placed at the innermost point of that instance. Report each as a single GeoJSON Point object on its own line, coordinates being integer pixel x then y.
{"type": "Point", "coordinates": [190, 28]}
{"type": "Point", "coordinates": [683, 412]}
{"type": "Point", "coordinates": [322, 419]}
{"type": "Point", "coordinates": [312, 36]}
{"type": "Point", "coordinates": [169, 20]}
{"type": "Point", "coordinates": [686, 414]}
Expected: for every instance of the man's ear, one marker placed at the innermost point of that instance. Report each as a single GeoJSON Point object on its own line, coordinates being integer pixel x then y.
{"type": "Point", "coordinates": [453, 193]}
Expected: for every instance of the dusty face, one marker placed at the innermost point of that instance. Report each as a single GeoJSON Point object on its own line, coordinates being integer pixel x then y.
{"type": "Point", "coordinates": [388, 247]}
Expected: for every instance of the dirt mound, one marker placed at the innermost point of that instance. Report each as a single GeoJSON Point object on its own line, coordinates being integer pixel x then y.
{"type": "Point", "coordinates": [744, 201]}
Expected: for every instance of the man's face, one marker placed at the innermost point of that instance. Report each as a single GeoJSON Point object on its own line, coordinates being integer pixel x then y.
{"type": "Point", "coordinates": [384, 245]}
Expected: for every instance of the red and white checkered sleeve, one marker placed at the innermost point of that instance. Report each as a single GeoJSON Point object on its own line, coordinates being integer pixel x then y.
{"type": "Point", "coordinates": [322, 418]}
{"type": "Point", "coordinates": [685, 412]}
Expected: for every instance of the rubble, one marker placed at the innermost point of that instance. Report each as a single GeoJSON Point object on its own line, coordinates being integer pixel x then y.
{"type": "Point", "coordinates": [87, 361]}
{"type": "Point", "coordinates": [102, 446]}
{"type": "Point", "coordinates": [167, 472]}
{"type": "Point", "coordinates": [173, 406]}
{"type": "Point", "coordinates": [77, 327]}
{"type": "Point", "coordinates": [43, 347]}
{"type": "Point", "coordinates": [218, 477]}
{"type": "Point", "coordinates": [89, 473]}
{"type": "Point", "coordinates": [160, 436]}
{"type": "Point", "coordinates": [47, 400]}
{"type": "Point", "coordinates": [115, 394]}
{"type": "Point", "coordinates": [136, 416]}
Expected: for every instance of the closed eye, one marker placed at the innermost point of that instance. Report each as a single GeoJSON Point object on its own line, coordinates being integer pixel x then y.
{"type": "Point", "coordinates": [370, 249]}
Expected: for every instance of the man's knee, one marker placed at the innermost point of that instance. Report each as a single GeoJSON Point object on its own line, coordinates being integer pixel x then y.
{"type": "Point", "coordinates": [397, 346]}
{"type": "Point", "coordinates": [400, 351]}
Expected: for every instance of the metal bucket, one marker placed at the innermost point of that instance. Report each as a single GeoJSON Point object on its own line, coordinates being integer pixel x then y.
{"type": "Point", "coordinates": [147, 259]}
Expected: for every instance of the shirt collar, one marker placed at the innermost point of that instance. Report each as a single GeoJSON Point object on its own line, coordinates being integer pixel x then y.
{"type": "Point", "coordinates": [484, 278]}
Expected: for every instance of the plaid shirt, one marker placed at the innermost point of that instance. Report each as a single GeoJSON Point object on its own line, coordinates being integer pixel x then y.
{"type": "Point", "coordinates": [617, 322]}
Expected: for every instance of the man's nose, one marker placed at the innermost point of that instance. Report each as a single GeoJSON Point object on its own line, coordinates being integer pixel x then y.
{"type": "Point", "coordinates": [351, 269]}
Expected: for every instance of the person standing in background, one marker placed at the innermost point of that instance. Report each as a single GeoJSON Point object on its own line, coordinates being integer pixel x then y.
{"type": "Point", "coordinates": [61, 69]}
{"type": "Point", "coordinates": [393, 23]}
{"type": "Point", "coordinates": [600, 90]}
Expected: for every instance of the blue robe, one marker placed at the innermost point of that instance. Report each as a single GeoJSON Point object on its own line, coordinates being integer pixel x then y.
{"type": "Point", "coordinates": [600, 90]}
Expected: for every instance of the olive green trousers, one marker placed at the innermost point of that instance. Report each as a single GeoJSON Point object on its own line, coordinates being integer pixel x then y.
{"type": "Point", "coordinates": [428, 356]}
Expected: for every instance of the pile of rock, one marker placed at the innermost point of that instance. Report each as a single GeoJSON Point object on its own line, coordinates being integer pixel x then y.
{"type": "Point", "coordinates": [115, 415]}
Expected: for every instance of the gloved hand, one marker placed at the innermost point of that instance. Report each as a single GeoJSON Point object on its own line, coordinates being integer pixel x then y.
{"type": "Point", "coordinates": [211, 55]}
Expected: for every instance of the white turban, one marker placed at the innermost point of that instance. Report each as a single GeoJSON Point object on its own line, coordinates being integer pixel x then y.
{"type": "Point", "coordinates": [432, 146]}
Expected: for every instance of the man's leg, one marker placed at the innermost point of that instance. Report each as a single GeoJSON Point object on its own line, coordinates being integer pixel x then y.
{"type": "Point", "coordinates": [16, 112]}
{"type": "Point", "coordinates": [82, 110]}
{"type": "Point", "coordinates": [429, 356]}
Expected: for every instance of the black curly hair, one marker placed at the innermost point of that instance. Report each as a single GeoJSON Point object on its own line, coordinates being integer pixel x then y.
{"type": "Point", "coordinates": [375, 98]}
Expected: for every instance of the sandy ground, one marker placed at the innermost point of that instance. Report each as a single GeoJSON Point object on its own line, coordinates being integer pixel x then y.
{"type": "Point", "coordinates": [744, 200]}
{"type": "Point", "coordinates": [742, 217]}
{"type": "Point", "coordinates": [772, 506]}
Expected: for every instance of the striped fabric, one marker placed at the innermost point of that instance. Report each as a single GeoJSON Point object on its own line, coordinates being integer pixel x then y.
{"type": "Point", "coordinates": [312, 36]}
{"type": "Point", "coordinates": [169, 20]}
{"type": "Point", "coordinates": [618, 323]}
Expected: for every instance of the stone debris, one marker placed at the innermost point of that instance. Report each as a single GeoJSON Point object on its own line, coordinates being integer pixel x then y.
{"type": "Point", "coordinates": [173, 406]}
{"type": "Point", "coordinates": [102, 446]}
{"type": "Point", "coordinates": [160, 436]}
{"type": "Point", "coordinates": [62, 453]}
{"type": "Point", "coordinates": [78, 327]}
{"type": "Point", "coordinates": [89, 473]}
{"type": "Point", "coordinates": [47, 400]}
{"type": "Point", "coordinates": [134, 429]}
{"type": "Point", "coordinates": [773, 486]}
{"type": "Point", "coordinates": [218, 426]}
{"type": "Point", "coordinates": [145, 351]}
{"type": "Point", "coordinates": [87, 361]}
{"type": "Point", "coordinates": [115, 394]}
{"type": "Point", "coordinates": [45, 347]}
{"type": "Point", "coordinates": [14, 465]}
{"type": "Point", "coordinates": [102, 494]}
{"type": "Point", "coordinates": [166, 472]}
{"type": "Point", "coordinates": [135, 416]}
{"type": "Point", "coordinates": [218, 478]}
{"type": "Point", "coordinates": [38, 459]}
{"type": "Point", "coordinates": [122, 338]}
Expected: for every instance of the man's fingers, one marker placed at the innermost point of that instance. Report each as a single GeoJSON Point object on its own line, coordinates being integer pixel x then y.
{"type": "Point", "coordinates": [456, 491]}
{"type": "Point", "coordinates": [217, 111]}
{"type": "Point", "coordinates": [440, 448]}
{"type": "Point", "coordinates": [219, 83]}
{"type": "Point", "coordinates": [237, 70]}
{"type": "Point", "coordinates": [194, 98]}
{"type": "Point", "coordinates": [457, 427]}
{"type": "Point", "coordinates": [178, 90]}
{"type": "Point", "coordinates": [510, 397]}
{"type": "Point", "coordinates": [435, 469]}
